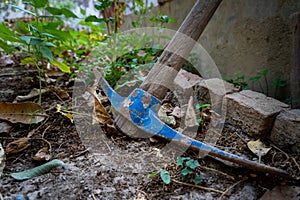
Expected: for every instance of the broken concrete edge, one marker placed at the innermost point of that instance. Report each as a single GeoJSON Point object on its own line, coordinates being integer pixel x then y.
{"type": "Point", "coordinates": [256, 114]}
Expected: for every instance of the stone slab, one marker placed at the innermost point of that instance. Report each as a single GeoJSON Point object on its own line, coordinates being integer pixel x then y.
{"type": "Point", "coordinates": [253, 112]}
{"type": "Point", "coordinates": [286, 130]}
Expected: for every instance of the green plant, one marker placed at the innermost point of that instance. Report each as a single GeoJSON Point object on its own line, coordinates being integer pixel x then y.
{"type": "Point", "coordinates": [188, 171]}
{"type": "Point", "coordinates": [238, 81]}
{"type": "Point", "coordinates": [277, 83]}
{"type": "Point", "coordinates": [202, 108]}
{"type": "Point", "coordinates": [162, 20]}
{"type": "Point", "coordinates": [164, 175]}
{"type": "Point", "coordinates": [39, 38]}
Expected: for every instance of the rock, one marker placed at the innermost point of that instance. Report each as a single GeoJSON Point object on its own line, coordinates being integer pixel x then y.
{"type": "Point", "coordinates": [183, 85]}
{"type": "Point", "coordinates": [253, 112]}
{"type": "Point", "coordinates": [282, 192]}
{"type": "Point", "coordinates": [286, 130]}
{"type": "Point", "coordinates": [213, 90]}
{"type": "Point", "coordinates": [248, 192]}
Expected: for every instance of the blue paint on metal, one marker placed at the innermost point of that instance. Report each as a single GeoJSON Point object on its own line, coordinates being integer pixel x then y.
{"type": "Point", "coordinates": [143, 115]}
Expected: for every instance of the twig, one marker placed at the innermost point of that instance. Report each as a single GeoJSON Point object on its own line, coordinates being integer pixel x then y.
{"type": "Point", "coordinates": [214, 170]}
{"type": "Point", "coordinates": [228, 189]}
{"type": "Point", "coordinates": [80, 153]}
{"type": "Point", "coordinates": [240, 137]}
{"type": "Point", "coordinates": [198, 186]}
{"type": "Point", "coordinates": [43, 134]}
{"type": "Point", "coordinates": [35, 130]}
{"type": "Point", "coordinates": [287, 156]}
{"type": "Point", "coordinates": [296, 164]}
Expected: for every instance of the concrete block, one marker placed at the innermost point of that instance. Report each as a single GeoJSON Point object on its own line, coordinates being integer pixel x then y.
{"type": "Point", "coordinates": [183, 85]}
{"type": "Point", "coordinates": [254, 112]}
{"type": "Point", "coordinates": [286, 130]}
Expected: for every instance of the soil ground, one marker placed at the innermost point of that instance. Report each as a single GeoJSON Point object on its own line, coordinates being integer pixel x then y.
{"type": "Point", "coordinates": [88, 177]}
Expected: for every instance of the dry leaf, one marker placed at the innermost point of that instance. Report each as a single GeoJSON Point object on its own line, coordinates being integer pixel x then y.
{"type": "Point", "coordinates": [63, 94]}
{"type": "Point", "coordinates": [162, 114]}
{"type": "Point", "coordinates": [2, 159]}
{"type": "Point", "coordinates": [42, 155]}
{"type": "Point", "coordinates": [68, 115]}
{"type": "Point", "coordinates": [17, 146]}
{"type": "Point", "coordinates": [33, 93]}
{"type": "Point", "coordinates": [167, 107]}
{"type": "Point", "coordinates": [258, 148]}
{"type": "Point", "coordinates": [26, 112]}
{"type": "Point", "coordinates": [100, 115]}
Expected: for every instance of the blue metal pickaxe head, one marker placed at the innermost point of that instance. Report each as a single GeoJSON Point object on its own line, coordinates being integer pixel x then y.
{"type": "Point", "coordinates": [138, 109]}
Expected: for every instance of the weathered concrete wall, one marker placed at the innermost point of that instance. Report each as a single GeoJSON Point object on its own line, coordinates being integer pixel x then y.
{"type": "Point", "coordinates": [245, 35]}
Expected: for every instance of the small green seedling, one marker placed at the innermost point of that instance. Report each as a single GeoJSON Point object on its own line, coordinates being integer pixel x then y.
{"type": "Point", "coordinates": [164, 175]}
{"type": "Point", "coordinates": [188, 171]}
{"type": "Point", "coordinates": [202, 108]}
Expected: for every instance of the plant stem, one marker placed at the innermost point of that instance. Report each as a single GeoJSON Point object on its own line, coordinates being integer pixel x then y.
{"type": "Point", "coordinates": [267, 86]}
{"type": "Point", "coordinates": [40, 82]}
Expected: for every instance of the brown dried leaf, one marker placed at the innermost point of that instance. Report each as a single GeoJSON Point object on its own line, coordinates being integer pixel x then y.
{"type": "Point", "coordinates": [17, 146]}
{"type": "Point", "coordinates": [258, 148]}
{"type": "Point", "coordinates": [42, 155]}
{"type": "Point", "coordinates": [26, 112]}
{"type": "Point", "coordinates": [99, 114]}
{"type": "Point", "coordinates": [63, 94]}
{"type": "Point", "coordinates": [33, 93]}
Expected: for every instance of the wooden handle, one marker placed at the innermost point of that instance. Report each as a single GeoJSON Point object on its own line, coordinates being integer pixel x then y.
{"type": "Point", "coordinates": [172, 59]}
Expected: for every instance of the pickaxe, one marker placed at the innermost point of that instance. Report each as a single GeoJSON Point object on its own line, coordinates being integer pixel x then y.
{"type": "Point", "coordinates": [137, 108]}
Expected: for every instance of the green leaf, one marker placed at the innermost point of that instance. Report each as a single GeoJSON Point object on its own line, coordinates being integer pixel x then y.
{"type": "Point", "coordinates": [192, 164]}
{"type": "Point", "coordinates": [199, 121]}
{"type": "Point", "coordinates": [93, 18]}
{"type": "Point", "coordinates": [54, 11]}
{"type": "Point", "coordinates": [7, 48]}
{"type": "Point", "coordinates": [199, 106]}
{"type": "Point", "coordinates": [180, 160]}
{"type": "Point", "coordinates": [264, 72]}
{"type": "Point", "coordinates": [69, 14]}
{"type": "Point", "coordinates": [165, 176]}
{"type": "Point", "coordinates": [255, 78]}
{"type": "Point", "coordinates": [153, 175]}
{"type": "Point", "coordinates": [186, 171]}
{"type": "Point", "coordinates": [39, 3]}
{"type": "Point", "coordinates": [21, 27]}
{"type": "Point", "coordinates": [62, 66]}
{"type": "Point", "coordinates": [63, 11]}
{"type": "Point", "coordinates": [48, 35]}
{"type": "Point", "coordinates": [37, 171]}
{"type": "Point", "coordinates": [7, 35]}
{"type": "Point", "coordinates": [46, 52]}
{"type": "Point", "coordinates": [28, 60]}
{"type": "Point", "coordinates": [48, 44]}
{"type": "Point", "coordinates": [24, 10]}
{"type": "Point", "coordinates": [31, 40]}
{"type": "Point", "coordinates": [82, 11]}
{"type": "Point", "coordinates": [198, 180]}
{"type": "Point", "coordinates": [10, 38]}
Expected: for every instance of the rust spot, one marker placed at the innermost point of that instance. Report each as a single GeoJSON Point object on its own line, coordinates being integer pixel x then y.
{"type": "Point", "coordinates": [135, 94]}
{"type": "Point", "coordinates": [146, 101]}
